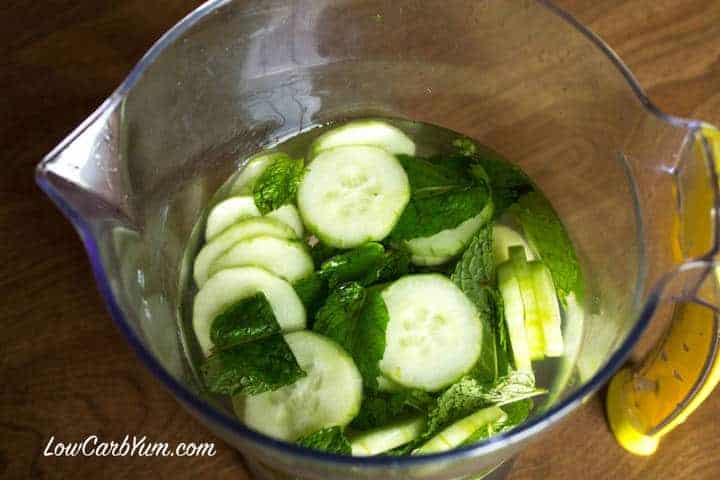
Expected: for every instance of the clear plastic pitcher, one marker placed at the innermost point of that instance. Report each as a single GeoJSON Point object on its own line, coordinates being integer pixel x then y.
{"type": "Point", "coordinates": [636, 188]}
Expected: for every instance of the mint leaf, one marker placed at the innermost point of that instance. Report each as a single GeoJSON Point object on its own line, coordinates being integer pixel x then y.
{"type": "Point", "coordinates": [312, 291]}
{"type": "Point", "coordinates": [367, 264]}
{"type": "Point", "coordinates": [430, 212]}
{"type": "Point", "coordinates": [395, 264]}
{"type": "Point", "coordinates": [474, 274]}
{"type": "Point", "coordinates": [465, 146]}
{"type": "Point", "coordinates": [369, 342]}
{"type": "Point", "coordinates": [356, 318]}
{"type": "Point", "coordinates": [337, 319]}
{"type": "Point", "coordinates": [381, 408]}
{"type": "Point", "coordinates": [517, 413]}
{"type": "Point", "coordinates": [513, 387]}
{"type": "Point", "coordinates": [247, 320]}
{"type": "Point", "coordinates": [361, 264]}
{"type": "Point", "coordinates": [469, 395]}
{"type": "Point", "coordinates": [331, 440]}
{"type": "Point", "coordinates": [433, 173]}
{"type": "Point", "coordinates": [476, 267]}
{"type": "Point", "coordinates": [278, 184]}
{"type": "Point", "coordinates": [547, 236]}
{"type": "Point", "coordinates": [252, 368]}
{"type": "Point", "coordinates": [443, 195]}
{"type": "Point", "coordinates": [321, 252]}
{"type": "Point", "coordinates": [507, 182]}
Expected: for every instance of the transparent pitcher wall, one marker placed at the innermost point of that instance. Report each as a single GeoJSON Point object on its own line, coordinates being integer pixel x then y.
{"type": "Point", "coordinates": [520, 77]}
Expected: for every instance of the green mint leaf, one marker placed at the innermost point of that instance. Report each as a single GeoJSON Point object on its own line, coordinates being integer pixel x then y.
{"type": "Point", "coordinates": [247, 320]}
{"type": "Point", "coordinates": [331, 440]}
{"type": "Point", "coordinates": [356, 318]}
{"type": "Point", "coordinates": [430, 212]}
{"type": "Point", "coordinates": [361, 264]}
{"type": "Point", "coordinates": [507, 182]}
{"type": "Point", "coordinates": [395, 264]}
{"type": "Point", "coordinates": [469, 395]}
{"type": "Point", "coordinates": [476, 267]}
{"type": "Point", "coordinates": [337, 319]}
{"type": "Point", "coordinates": [312, 291]}
{"type": "Point", "coordinates": [278, 184]}
{"type": "Point", "coordinates": [434, 173]}
{"type": "Point", "coordinates": [548, 237]}
{"type": "Point", "coordinates": [511, 388]}
{"type": "Point", "coordinates": [465, 146]}
{"type": "Point", "coordinates": [369, 342]}
{"type": "Point", "coordinates": [517, 413]}
{"type": "Point", "coordinates": [382, 408]}
{"type": "Point", "coordinates": [252, 368]}
{"type": "Point", "coordinates": [475, 273]}
{"type": "Point", "coordinates": [321, 252]}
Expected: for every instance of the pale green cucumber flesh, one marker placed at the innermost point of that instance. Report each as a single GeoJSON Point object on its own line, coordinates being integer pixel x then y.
{"type": "Point", "coordinates": [328, 395]}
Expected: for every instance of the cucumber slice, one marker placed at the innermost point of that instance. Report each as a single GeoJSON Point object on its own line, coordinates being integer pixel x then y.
{"type": "Point", "coordinates": [289, 215]}
{"type": "Point", "coordinates": [255, 167]}
{"type": "Point", "coordinates": [230, 286]}
{"type": "Point", "coordinates": [330, 394]}
{"type": "Point", "coordinates": [533, 324]}
{"type": "Point", "coordinates": [287, 259]}
{"type": "Point", "coordinates": [429, 261]}
{"type": "Point", "coordinates": [505, 237]}
{"type": "Point", "coordinates": [433, 335]}
{"type": "Point", "coordinates": [449, 242]}
{"type": "Point", "coordinates": [250, 227]}
{"type": "Point", "coordinates": [365, 132]}
{"type": "Point", "coordinates": [382, 439]}
{"type": "Point", "coordinates": [458, 432]}
{"type": "Point", "coordinates": [548, 308]}
{"type": "Point", "coordinates": [514, 317]}
{"type": "Point", "coordinates": [352, 195]}
{"type": "Point", "coordinates": [228, 212]}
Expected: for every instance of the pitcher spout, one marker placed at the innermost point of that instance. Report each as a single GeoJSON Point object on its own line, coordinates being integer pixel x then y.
{"type": "Point", "coordinates": [85, 175]}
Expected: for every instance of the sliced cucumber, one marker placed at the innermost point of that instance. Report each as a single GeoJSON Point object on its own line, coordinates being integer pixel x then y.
{"type": "Point", "coordinates": [289, 215]}
{"type": "Point", "coordinates": [232, 285]}
{"type": "Point", "coordinates": [514, 317]}
{"type": "Point", "coordinates": [352, 195]}
{"type": "Point", "coordinates": [458, 432]}
{"type": "Point", "coordinates": [450, 242]}
{"type": "Point", "coordinates": [365, 132]}
{"type": "Point", "coordinates": [382, 439]}
{"type": "Point", "coordinates": [228, 212]}
{"type": "Point", "coordinates": [533, 323]}
{"type": "Point", "coordinates": [429, 261]}
{"type": "Point", "coordinates": [250, 227]}
{"type": "Point", "coordinates": [287, 259]}
{"type": "Point", "coordinates": [548, 308]}
{"type": "Point", "coordinates": [255, 167]}
{"type": "Point", "coordinates": [505, 237]}
{"type": "Point", "coordinates": [330, 394]}
{"type": "Point", "coordinates": [433, 335]}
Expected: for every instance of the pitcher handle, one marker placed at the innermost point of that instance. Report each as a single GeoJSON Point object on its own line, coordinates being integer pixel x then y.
{"type": "Point", "coordinates": [647, 400]}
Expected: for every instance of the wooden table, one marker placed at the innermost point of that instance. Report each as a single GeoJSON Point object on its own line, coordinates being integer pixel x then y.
{"type": "Point", "coordinates": [66, 371]}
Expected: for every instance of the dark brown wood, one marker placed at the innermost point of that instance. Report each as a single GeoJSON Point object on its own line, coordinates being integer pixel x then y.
{"type": "Point", "coordinates": [66, 371]}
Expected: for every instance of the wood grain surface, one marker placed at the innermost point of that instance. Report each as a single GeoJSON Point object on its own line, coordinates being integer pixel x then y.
{"type": "Point", "coordinates": [66, 371]}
